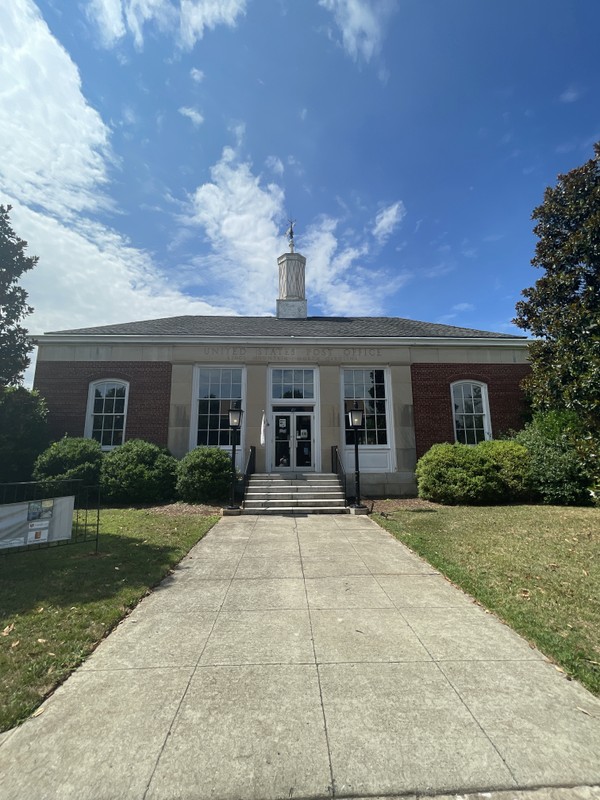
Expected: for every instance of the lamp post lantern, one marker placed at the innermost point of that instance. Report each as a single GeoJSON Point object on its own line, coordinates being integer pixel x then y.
{"type": "Point", "coordinates": [356, 417]}
{"type": "Point", "coordinates": [235, 423]}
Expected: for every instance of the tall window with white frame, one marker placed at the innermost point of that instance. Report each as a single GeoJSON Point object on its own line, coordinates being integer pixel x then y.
{"type": "Point", "coordinates": [218, 389]}
{"type": "Point", "coordinates": [471, 412]}
{"type": "Point", "coordinates": [367, 387]}
{"type": "Point", "coordinates": [107, 412]}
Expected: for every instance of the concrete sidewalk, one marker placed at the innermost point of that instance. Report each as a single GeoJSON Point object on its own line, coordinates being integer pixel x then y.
{"type": "Point", "coordinates": [306, 657]}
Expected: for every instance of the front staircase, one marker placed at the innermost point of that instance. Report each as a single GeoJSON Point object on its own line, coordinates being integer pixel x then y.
{"type": "Point", "coordinates": [294, 493]}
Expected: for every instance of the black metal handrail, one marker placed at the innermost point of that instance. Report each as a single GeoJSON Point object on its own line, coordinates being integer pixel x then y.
{"type": "Point", "coordinates": [250, 467]}
{"type": "Point", "coordinates": [337, 467]}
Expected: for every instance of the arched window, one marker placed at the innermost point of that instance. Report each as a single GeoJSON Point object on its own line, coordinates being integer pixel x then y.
{"type": "Point", "coordinates": [471, 412]}
{"type": "Point", "coordinates": [107, 412]}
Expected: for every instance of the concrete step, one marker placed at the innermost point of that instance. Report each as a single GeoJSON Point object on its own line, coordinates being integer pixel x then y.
{"type": "Point", "coordinates": [294, 493]}
{"type": "Point", "coordinates": [298, 510]}
{"type": "Point", "coordinates": [270, 503]}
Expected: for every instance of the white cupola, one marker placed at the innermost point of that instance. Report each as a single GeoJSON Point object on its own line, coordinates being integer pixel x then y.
{"type": "Point", "coordinates": [291, 303]}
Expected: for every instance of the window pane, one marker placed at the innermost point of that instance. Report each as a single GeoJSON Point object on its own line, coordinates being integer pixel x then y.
{"type": "Point", "coordinates": [367, 387]}
{"type": "Point", "coordinates": [469, 415]}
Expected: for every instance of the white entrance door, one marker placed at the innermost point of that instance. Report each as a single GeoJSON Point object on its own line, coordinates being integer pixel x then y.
{"type": "Point", "coordinates": [293, 441]}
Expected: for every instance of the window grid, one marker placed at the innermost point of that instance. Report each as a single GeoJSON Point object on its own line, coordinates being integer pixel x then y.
{"type": "Point", "coordinates": [218, 389]}
{"type": "Point", "coordinates": [108, 413]}
{"type": "Point", "coordinates": [469, 413]}
{"type": "Point", "coordinates": [367, 387]}
{"type": "Point", "coordinates": [293, 383]}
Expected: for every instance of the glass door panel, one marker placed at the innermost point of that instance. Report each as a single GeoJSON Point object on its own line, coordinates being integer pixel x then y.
{"type": "Point", "coordinates": [283, 449]}
{"type": "Point", "coordinates": [303, 440]}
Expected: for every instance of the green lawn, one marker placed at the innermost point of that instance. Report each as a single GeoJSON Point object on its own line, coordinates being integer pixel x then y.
{"type": "Point", "coordinates": [56, 604]}
{"type": "Point", "coordinates": [536, 567]}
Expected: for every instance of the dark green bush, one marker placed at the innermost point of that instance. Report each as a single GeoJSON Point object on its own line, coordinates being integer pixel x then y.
{"type": "Point", "coordinates": [512, 461]}
{"type": "Point", "coordinates": [70, 458]}
{"type": "Point", "coordinates": [488, 473]}
{"type": "Point", "coordinates": [23, 432]}
{"type": "Point", "coordinates": [457, 474]}
{"type": "Point", "coordinates": [562, 459]}
{"type": "Point", "coordinates": [138, 472]}
{"type": "Point", "coordinates": [204, 474]}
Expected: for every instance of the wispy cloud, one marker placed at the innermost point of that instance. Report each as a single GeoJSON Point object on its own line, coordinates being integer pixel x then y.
{"type": "Point", "coordinates": [362, 24]}
{"type": "Point", "coordinates": [196, 75]}
{"type": "Point", "coordinates": [65, 170]}
{"type": "Point", "coordinates": [243, 219]}
{"type": "Point", "coordinates": [275, 164]}
{"type": "Point", "coordinates": [571, 94]}
{"type": "Point", "coordinates": [186, 21]}
{"type": "Point", "coordinates": [387, 220]}
{"type": "Point", "coordinates": [243, 223]}
{"type": "Point", "coordinates": [88, 273]}
{"type": "Point", "coordinates": [340, 276]}
{"type": "Point", "coordinates": [193, 115]}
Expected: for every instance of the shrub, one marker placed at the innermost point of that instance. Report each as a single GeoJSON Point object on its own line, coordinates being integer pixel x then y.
{"type": "Point", "coordinates": [459, 474]}
{"type": "Point", "coordinates": [562, 460]}
{"type": "Point", "coordinates": [138, 472]}
{"type": "Point", "coordinates": [23, 432]}
{"type": "Point", "coordinates": [204, 474]}
{"type": "Point", "coordinates": [512, 461]}
{"type": "Point", "coordinates": [70, 458]}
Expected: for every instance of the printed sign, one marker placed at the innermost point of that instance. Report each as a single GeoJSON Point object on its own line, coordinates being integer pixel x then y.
{"type": "Point", "coordinates": [36, 521]}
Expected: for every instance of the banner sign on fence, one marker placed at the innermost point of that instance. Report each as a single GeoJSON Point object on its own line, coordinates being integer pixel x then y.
{"type": "Point", "coordinates": [36, 521]}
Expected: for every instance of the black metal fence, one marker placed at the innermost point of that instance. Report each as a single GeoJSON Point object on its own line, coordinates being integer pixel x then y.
{"type": "Point", "coordinates": [40, 515]}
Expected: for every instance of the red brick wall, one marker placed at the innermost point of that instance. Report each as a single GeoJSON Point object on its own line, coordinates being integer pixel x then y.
{"type": "Point", "coordinates": [65, 386]}
{"type": "Point", "coordinates": [432, 403]}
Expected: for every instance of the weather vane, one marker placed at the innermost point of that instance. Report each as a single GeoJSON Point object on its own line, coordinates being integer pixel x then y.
{"type": "Point", "coordinates": [290, 234]}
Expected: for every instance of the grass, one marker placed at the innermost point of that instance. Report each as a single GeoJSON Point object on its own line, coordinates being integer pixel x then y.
{"type": "Point", "coordinates": [57, 604]}
{"type": "Point", "coordinates": [536, 567]}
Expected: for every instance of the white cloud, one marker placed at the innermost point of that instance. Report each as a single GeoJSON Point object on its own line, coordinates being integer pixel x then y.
{"type": "Point", "coordinates": [198, 15]}
{"type": "Point", "coordinates": [186, 20]}
{"type": "Point", "coordinates": [196, 75]}
{"type": "Point", "coordinates": [362, 24]}
{"type": "Point", "coordinates": [463, 307]}
{"type": "Point", "coordinates": [387, 220]}
{"type": "Point", "coordinates": [191, 113]}
{"type": "Point", "coordinates": [54, 146]}
{"type": "Point", "coordinates": [303, 113]}
{"type": "Point", "coordinates": [275, 164]}
{"type": "Point", "coordinates": [108, 16]}
{"type": "Point", "coordinates": [571, 94]}
{"type": "Point", "coordinates": [337, 276]}
{"type": "Point", "coordinates": [242, 219]}
{"type": "Point", "coordinates": [54, 172]}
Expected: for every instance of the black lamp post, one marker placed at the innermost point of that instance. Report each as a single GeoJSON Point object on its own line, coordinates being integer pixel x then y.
{"type": "Point", "coordinates": [356, 417]}
{"type": "Point", "coordinates": [235, 423]}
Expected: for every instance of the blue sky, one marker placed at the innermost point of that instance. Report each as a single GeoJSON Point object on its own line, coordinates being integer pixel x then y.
{"type": "Point", "coordinates": [154, 149]}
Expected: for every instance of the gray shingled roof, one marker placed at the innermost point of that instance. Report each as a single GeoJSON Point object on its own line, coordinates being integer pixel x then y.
{"type": "Point", "coordinates": [312, 327]}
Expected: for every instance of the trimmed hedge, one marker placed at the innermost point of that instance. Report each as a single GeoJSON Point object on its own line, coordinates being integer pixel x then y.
{"type": "Point", "coordinates": [70, 458]}
{"type": "Point", "coordinates": [489, 473]}
{"type": "Point", "coordinates": [138, 472]}
{"type": "Point", "coordinates": [204, 474]}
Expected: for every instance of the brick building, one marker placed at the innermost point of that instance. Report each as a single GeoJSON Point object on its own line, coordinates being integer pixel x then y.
{"type": "Point", "coordinates": [171, 381]}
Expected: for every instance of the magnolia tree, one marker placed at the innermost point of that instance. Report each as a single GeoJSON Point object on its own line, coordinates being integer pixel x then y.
{"type": "Point", "coordinates": [14, 345]}
{"type": "Point", "coordinates": [562, 309]}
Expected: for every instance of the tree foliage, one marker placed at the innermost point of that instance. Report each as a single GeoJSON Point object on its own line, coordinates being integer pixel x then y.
{"type": "Point", "coordinates": [14, 346]}
{"type": "Point", "coordinates": [23, 432]}
{"type": "Point", "coordinates": [563, 307]}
